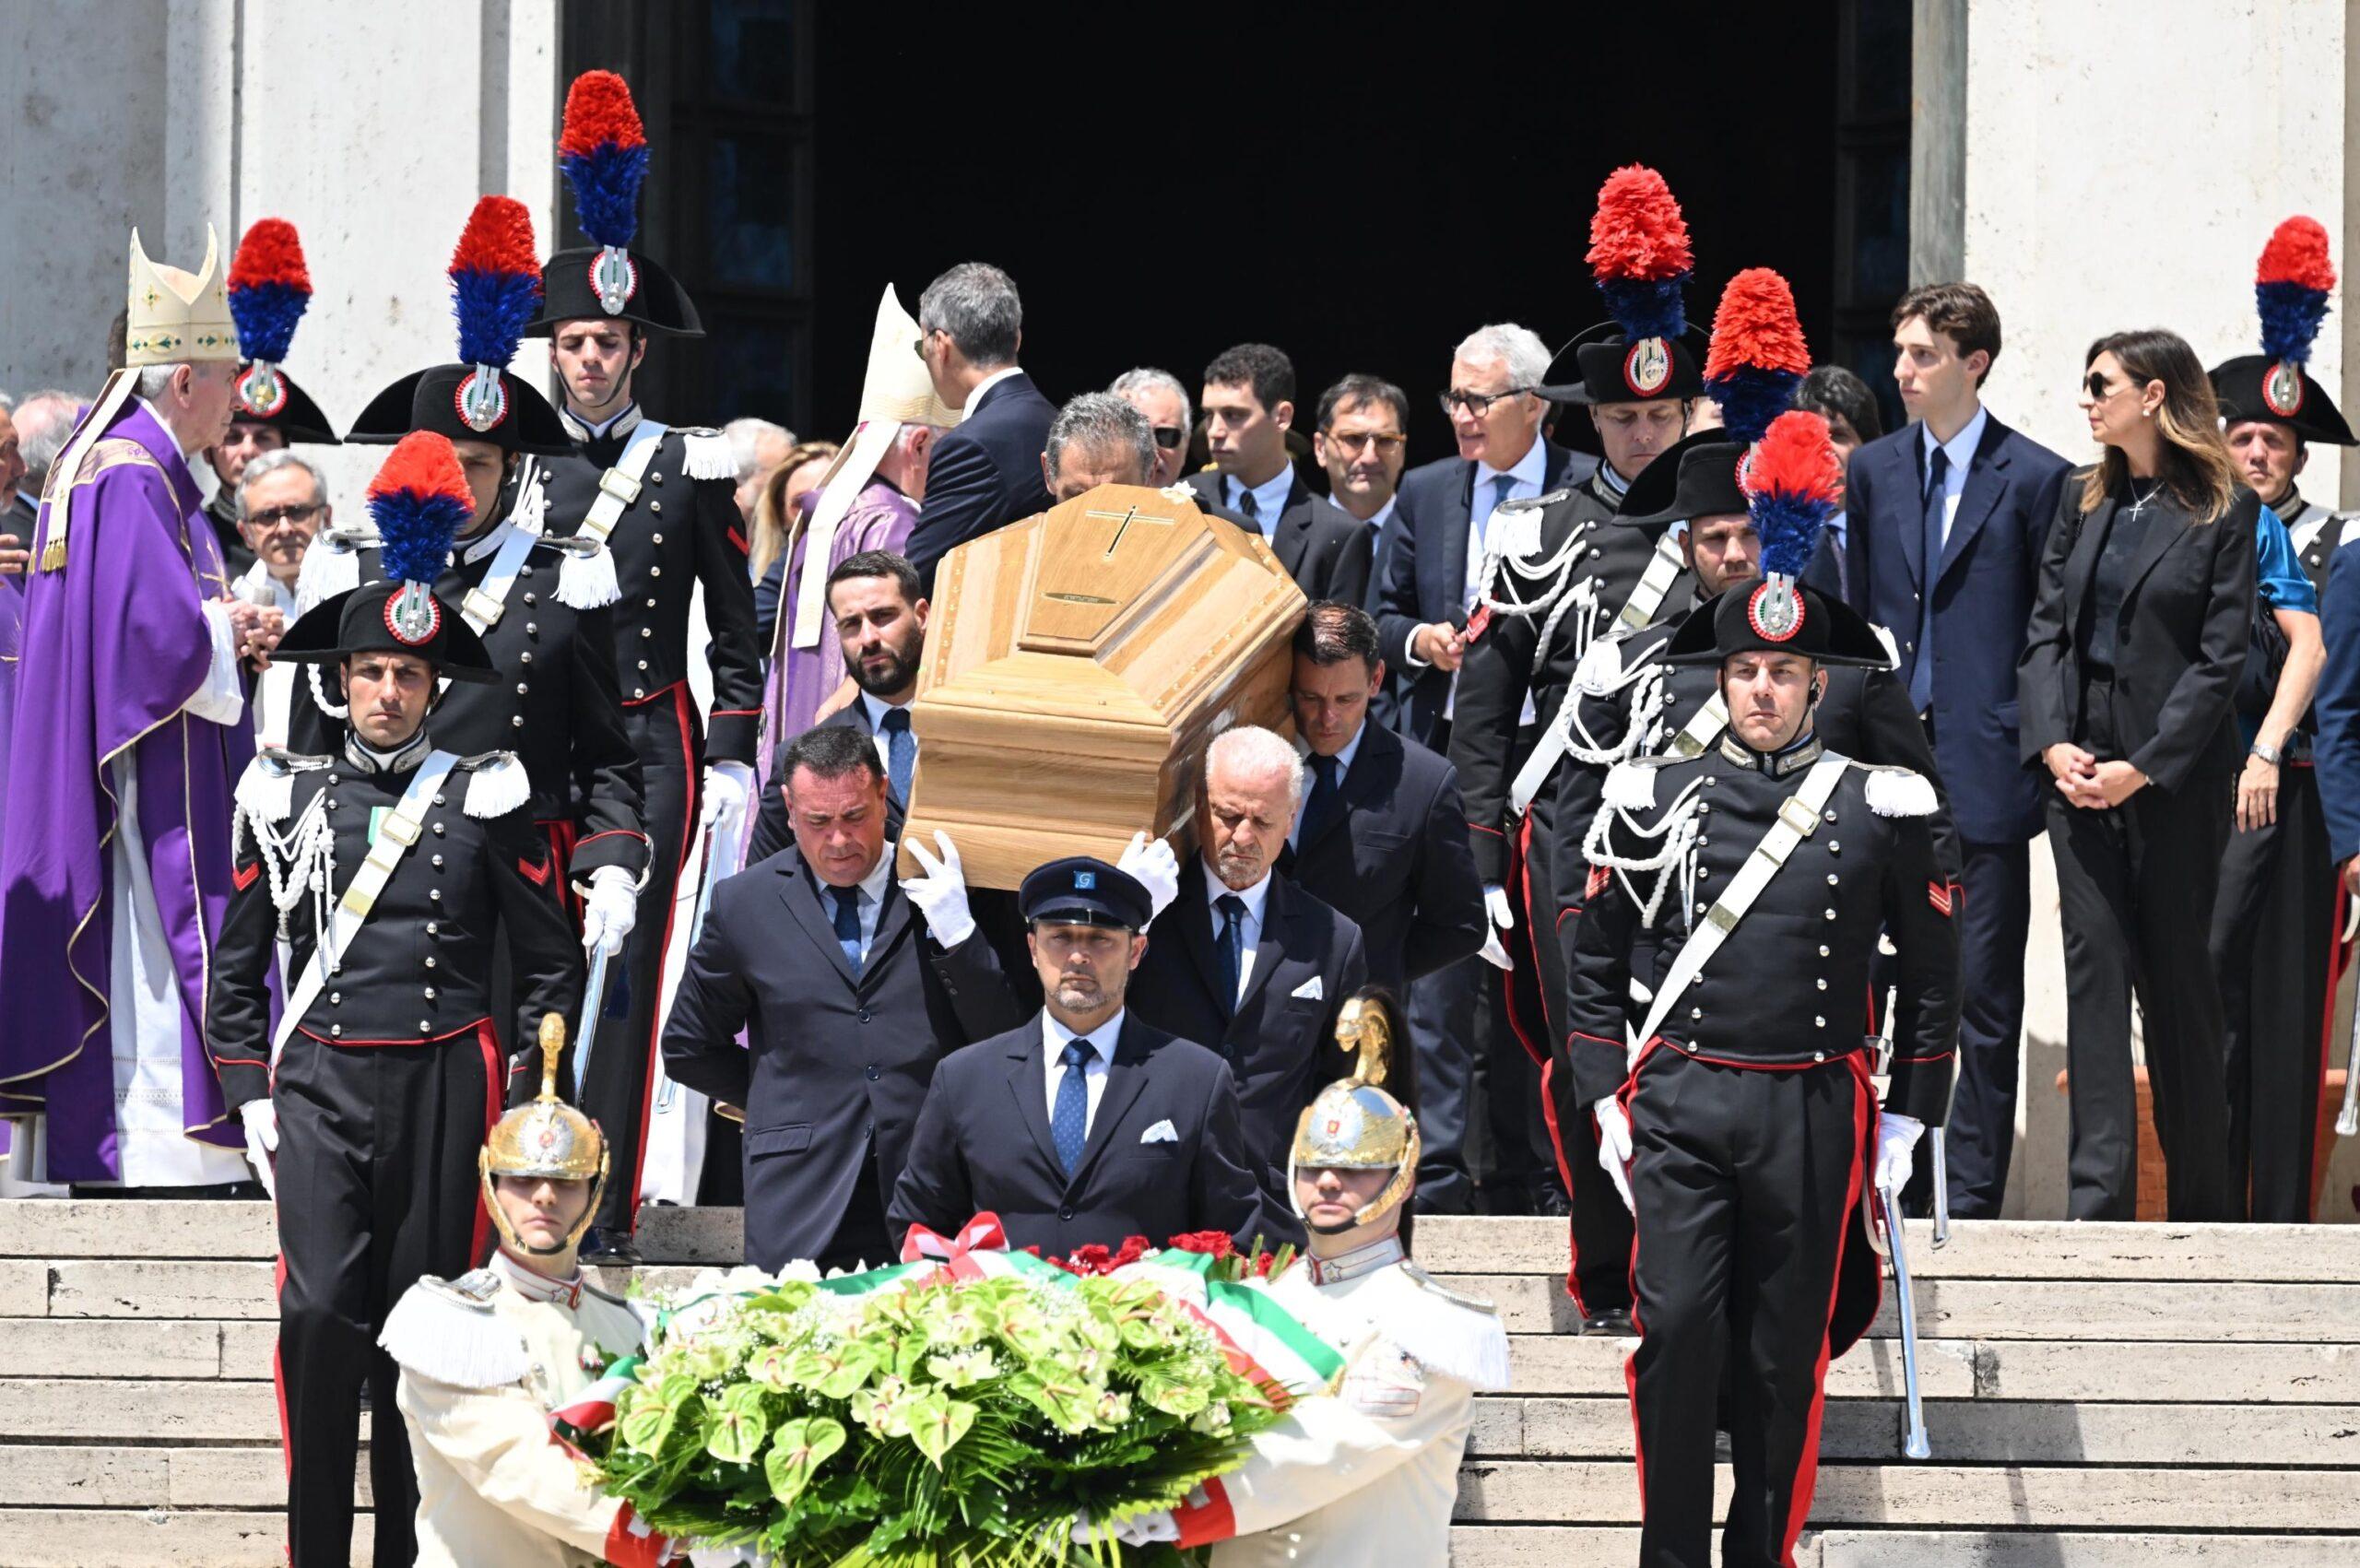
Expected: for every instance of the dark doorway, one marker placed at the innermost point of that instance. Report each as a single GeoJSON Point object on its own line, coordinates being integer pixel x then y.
{"type": "Point", "coordinates": [1361, 187]}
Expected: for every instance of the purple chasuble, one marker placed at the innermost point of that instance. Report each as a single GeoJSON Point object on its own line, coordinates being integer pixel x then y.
{"type": "Point", "coordinates": [113, 646]}
{"type": "Point", "coordinates": [800, 680]}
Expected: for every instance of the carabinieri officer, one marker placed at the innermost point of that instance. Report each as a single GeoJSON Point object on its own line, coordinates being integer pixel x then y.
{"type": "Point", "coordinates": [659, 505]}
{"type": "Point", "coordinates": [1744, 888]}
{"type": "Point", "coordinates": [386, 866]}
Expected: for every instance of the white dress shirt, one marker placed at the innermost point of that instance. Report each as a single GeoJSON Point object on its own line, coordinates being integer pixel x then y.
{"type": "Point", "coordinates": [1343, 767]}
{"type": "Point", "coordinates": [985, 385]}
{"type": "Point", "coordinates": [1255, 898]}
{"type": "Point", "coordinates": [1269, 496]}
{"type": "Point", "coordinates": [1056, 1037]}
{"type": "Point", "coordinates": [870, 900]}
{"type": "Point", "coordinates": [1960, 448]}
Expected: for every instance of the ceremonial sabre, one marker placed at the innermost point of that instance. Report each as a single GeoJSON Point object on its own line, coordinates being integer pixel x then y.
{"type": "Point", "coordinates": [592, 995]}
{"type": "Point", "coordinates": [1942, 1191]}
{"type": "Point", "coordinates": [1884, 1216]}
{"type": "Point", "coordinates": [2347, 1121]}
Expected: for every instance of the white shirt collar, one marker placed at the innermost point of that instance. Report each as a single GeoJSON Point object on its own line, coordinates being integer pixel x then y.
{"type": "Point", "coordinates": [989, 381]}
{"type": "Point", "coordinates": [1269, 496]}
{"type": "Point", "coordinates": [1255, 898]}
{"type": "Point", "coordinates": [872, 887]}
{"type": "Point", "coordinates": [534, 1285]}
{"type": "Point", "coordinates": [1384, 514]}
{"type": "Point", "coordinates": [1351, 750]}
{"type": "Point", "coordinates": [1532, 468]}
{"type": "Point", "coordinates": [592, 432]}
{"type": "Point", "coordinates": [1056, 1036]}
{"type": "Point", "coordinates": [1380, 1254]}
{"type": "Point", "coordinates": [1961, 446]}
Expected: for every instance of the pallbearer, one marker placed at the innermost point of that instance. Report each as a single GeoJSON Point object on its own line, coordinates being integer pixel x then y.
{"type": "Point", "coordinates": [490, 1359]}
{"type": "Point", "coordinates": [1744, 888]}
{"type": "Point", "coordinates": [662, 501]}
{"type": "Point", "coordinates": [388, 865]}
{"type": "Point", "coordinates": [2273, 919]}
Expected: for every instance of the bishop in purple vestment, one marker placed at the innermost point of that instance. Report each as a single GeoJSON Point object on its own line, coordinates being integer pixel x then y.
{"type": "Point", "coordinates": [128, 729]}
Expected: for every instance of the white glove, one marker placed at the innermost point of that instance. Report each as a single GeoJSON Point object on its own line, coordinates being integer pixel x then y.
{"type": "Point", "coordinates": [1897, 1135]}
{"type": "Point", "coordinates": [717, 1557]}
{"type": "Point", "coordinates": [1139, 1529]}
{"type": "Point", "coordinates": [1501, 912]}
{"type": "Point", "coordinates": [610, 911]}
{"type": "Point", "coordinates": [261, 1118]}
{"type": "Point", "coordinates": [1154, 867]}
{"type": "Point", "coordinates": [1614, 1146]}
{"type": "Point", "coordinates": [728, 786]}
{"type": "Point", "coordinates": [941, 893]}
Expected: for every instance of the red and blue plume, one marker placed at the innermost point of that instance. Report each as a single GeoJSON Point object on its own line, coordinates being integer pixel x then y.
{"type": "Point", "coordinates": [420, 501]}
{"type": "Point", "coordinates": [1638, 250]}
{"type": "Point", "coordinates": [269, 289]}
{"type": "Point", "coordinates": [603, 151]}
{"type": "Point", "coordinates": [2290, 287]}
{"type": "Point", "coordinates": [1793, 484]}
{"type": "Point", "coordinates": [1758, 353]}
{"type": "Point", "coordinates": [495, 280]}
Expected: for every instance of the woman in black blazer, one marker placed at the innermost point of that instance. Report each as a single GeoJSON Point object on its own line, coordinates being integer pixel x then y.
{"type": "Point", "coordinates": [2128, 680]}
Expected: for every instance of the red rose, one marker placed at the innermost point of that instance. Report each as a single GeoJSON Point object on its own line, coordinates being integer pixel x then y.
{"type": "Point", "coordinates": [1215, 1244]}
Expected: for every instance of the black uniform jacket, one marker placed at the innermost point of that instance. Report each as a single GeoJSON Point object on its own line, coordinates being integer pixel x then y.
{"type": "Point", "coordinates": [982, 1144]}
{"type": "Point", "coordinates": [1507, 662]}
{"type": "Point", "coordinates": [554, 704]}
{"type": "Point", "coordinates": [1789, 987]}
{"type": "Point", "coordinates": [419, 969]}
{"type": "Point", "coordinates": [1393, 856]}
{"type": "Point", "coordinates": [1865, 715]}
{"type": "Point", "coordinates": [2179, 642]}
{"type": "Point", "coordinates": [682, 531]}
{"type": "Point", "coordinates": [837, 1063]}
{"type": "Point", "coordinates": [1325, 549]}
{"type": "Point", "coordinates": [1279, 1042]}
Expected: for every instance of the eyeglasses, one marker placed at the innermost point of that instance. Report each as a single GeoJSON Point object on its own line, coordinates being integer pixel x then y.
{"type": "Point", "coordinates": [1384, 442]}
{"type": "Point", "coordinates": [1479, 403]}
{"type": "Point", "coordinates": [1169, 437]}
{"type": "Point", "coordinates": [924, 333]}
{"type": "Point", "coordinates": [2099, 388]}
{"type": "Point", "coordinates": [282, 514]}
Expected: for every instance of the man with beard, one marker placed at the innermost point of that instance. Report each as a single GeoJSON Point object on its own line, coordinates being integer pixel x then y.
{"type": "Point", "coordinates": [879, 616]}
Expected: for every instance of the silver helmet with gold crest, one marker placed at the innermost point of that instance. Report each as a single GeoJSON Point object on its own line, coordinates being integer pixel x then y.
{"type": "Point", "coordinates": [1354, 1124]}
{"type": "Point", "coordinates": [546, 1138]}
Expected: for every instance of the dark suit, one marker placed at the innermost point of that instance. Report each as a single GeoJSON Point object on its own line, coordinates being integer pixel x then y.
{"type": "Point", "coordinates": [982, 1144]}
{"type": "Point", "coordinates": [1983, 588]}
{"type": "Point", "coordinates": [1280, 1044]}
{"type": "Point", "coordinates": [839, 1063]}
{"type": "Point", "coordinates": [773, 832]}
{"type": "Point", "coordinates": [1393, 852]}
{"type": "Point", "coordinates": [1327, 552]}
{"type": "Point", "coordinates": [1422, 577]}
{"type": "Point", "coordinates": [2136, 883]}
{"type": "Point", "coordinates": [986, 472]}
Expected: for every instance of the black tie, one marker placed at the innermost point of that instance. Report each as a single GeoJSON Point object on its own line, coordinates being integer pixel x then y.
{"type": "Point", "coordinates": [847, 923]}
{"type": "Point", "coordinates": [1248, 507]}
{"type": "Point", "coordinates": [1232, 947]}
{"type": "Point", "coordinates": [1323, 797]}
{"type": "Point", "coordinates": [1921, 672]}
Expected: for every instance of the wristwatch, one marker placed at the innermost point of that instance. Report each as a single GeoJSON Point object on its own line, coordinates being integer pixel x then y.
{"type": "Point", "coordinates": [2269, 754]}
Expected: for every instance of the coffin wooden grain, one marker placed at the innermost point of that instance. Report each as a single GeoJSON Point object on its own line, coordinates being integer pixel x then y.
{"type": "Point", "coordinates": [1076, 666]}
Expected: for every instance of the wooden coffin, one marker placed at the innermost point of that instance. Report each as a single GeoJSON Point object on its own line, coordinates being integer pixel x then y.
{"type": "Point", "coordinates": [1076, 666]}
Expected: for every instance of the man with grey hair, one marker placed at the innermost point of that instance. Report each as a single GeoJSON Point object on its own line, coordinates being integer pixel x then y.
{"type": "Point", "coordinates": [1430, 572]}
{"type": "Point", "coordinates": [1097, 439]}
{"type": "Point", "coordinates": [986, 472]}
{"type": "Point", "coordinates": [758, 446]}
{"type": "Point", "coordinates": [1159, 395]}
{"type": "Point", "coordinates": [282, 505]}
{"type": "Point", "coordinates": [1247, 961]}
{"type": "Point", "coordinates": [43, 421]}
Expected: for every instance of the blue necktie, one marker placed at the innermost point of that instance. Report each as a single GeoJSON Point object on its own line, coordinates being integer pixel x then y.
{"type": "Point", "coordinates": [1921, 671]}
{"type": "Point", "coordinates": [901, 753]}
{"type": "Point", "coordinates": [848, 923]}
{"type": "Point", "coordinates": [1323, 797]}
{"type": "Point", "coordinates": [1500, 488]}
{"type": "Point", "coordinates": [1232, 947]}
{"type": "Point", "coordinates": [1069, 1123]}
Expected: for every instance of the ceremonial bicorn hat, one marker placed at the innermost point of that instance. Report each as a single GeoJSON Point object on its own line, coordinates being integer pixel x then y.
{"type": "Point", "coordinates": [1640, 256]}
{"type": "Point", "coordinates": [2290, 287]}
{"type": "Point", "coordinates": [269, 290]}
{"type": "Point", "coordinates": [602, 151]}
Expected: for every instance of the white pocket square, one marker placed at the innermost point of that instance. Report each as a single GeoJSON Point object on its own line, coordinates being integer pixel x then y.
{"type": "Point", "coordinates": [1312, 988]}
{"type": "Point", "coordinates": [1163, 1132]}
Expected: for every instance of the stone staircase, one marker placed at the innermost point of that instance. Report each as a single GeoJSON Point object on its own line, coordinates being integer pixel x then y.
{"type": "Point", "coordinates": [2098, 1397]}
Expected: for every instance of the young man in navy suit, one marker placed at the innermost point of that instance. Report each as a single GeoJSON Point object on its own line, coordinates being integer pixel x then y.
{"type": "Point", "coordinates": [985, 473]}
{"type": "Point", "coordinates": [1246, 961]}
{"type": "Point", "coordinates": [1946, 521]}
{"type": "Point", "coordinates": [1249, 407]}
{"type": "Point", "coordinates": [1085, 1124]}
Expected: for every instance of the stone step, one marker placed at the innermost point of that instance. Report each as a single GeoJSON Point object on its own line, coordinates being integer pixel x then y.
{"type": "Point", "coordinates": [2029, 1309]}
{"type": "Point", "coordinates": [94, 1477]}
{"type": "Point", "coordinates": [1938, 1495]}
{"type": "Point", "coordinates": [1555, 1546]}
{"type": "Point", "coordinates": [1969, 1432]}
{"type": "Point", "coordinates": [185, 1537]}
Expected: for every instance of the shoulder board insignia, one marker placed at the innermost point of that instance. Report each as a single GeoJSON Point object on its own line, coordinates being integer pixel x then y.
{"type": "Point", "coordinates": [1472, 1304]}
{"type": "Point", "coordinates": [476, 1289]}
{"type": "Point", "coordinates": [706, 455]}
{"type": "Point", "coordinates": [1897, 792]}
{"type": "Point", "coordinates": [266, 789]}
